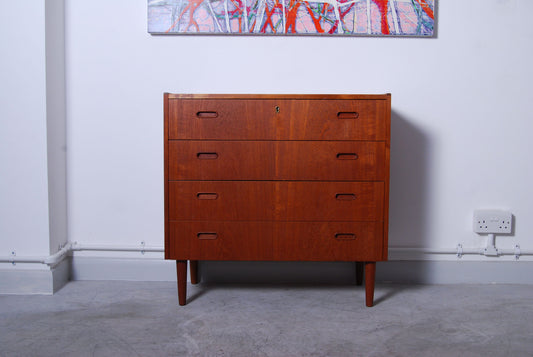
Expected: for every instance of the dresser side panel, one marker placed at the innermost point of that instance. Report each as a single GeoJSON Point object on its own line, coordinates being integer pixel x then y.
{"type": "Point", "coordinates": [165, 174]}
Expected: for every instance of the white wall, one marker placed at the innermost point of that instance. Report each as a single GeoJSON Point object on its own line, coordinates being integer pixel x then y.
{"type": "Point", "coordinates": [461, 113]}
{"type": "Point", "coordinates": [33, 215]}
{"type": "Point", "coordinates": [23, 142]}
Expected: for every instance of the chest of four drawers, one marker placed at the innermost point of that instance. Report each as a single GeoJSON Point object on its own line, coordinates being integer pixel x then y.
{"type": "Point", "coordinates": [276, 177]}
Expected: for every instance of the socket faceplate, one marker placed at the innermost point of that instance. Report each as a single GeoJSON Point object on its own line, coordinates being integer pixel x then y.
{"type": "Point", "coordinates": [492, 221]}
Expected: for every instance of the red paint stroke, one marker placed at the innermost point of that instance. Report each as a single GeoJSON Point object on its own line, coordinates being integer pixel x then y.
{"type": "Point", "coordinates": [424, 5]}
{"type": "Point", "coordinates": [316, 20]}
{"type": "Point", "coordinates": [291, 16]}
{"type": "Point", "coordinates": [383, 6]}
{"type": "Point", "coordinates": [191, 6]}
{"type": "Point", "coordinates": [342, 15]}
{"type": "Point", "coordinates": [239, 10]}
{"type": "Point", "coordinates": [269, 14]}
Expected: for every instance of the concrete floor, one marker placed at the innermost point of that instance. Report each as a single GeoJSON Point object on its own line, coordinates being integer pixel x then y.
{"type": "Point", "coordinates": [88, 318]}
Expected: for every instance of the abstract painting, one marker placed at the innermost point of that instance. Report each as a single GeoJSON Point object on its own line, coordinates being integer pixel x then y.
{"type": "Point", "coordinates": [300, 17]}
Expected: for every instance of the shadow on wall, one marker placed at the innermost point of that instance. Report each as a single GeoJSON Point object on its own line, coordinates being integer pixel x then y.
{"type": "Point", "coordinates": [408, 201]}
{"type": "Point", "coordinates": [409, 208]}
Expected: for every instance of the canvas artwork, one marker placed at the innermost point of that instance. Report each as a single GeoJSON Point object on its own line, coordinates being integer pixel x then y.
{"type": "Point", "coordinates": [281, 17]}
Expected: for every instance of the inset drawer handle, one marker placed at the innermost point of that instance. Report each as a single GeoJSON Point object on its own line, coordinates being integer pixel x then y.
{"type": "Point", "coordinates": [345, 196]}
{"type": "Point", "coordinates": [207, 155]}
{"type": "Point", "coordinates": [207, 235]}
{"type": "Point", "coordinates": [347, 115]}
{"type": "Point", "coordinates": [207, 195]}
{"type": "Point", "coordinates": [347, 156]}
{"type": "Point", "coordinates": [207, 115]}
{"type": "Point", "coordinates": [345, 236]}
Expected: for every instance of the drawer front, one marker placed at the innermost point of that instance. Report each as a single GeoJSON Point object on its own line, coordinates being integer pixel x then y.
{"type": "Point", "coordinates": [220, 240]}
{"type": "Point", "coordinates": [281, 201]}
{"type": "Point", "coordinates": [219, 160]}
{"type": "Point", "coordinates": [222, 119]}
{"type": "Point", "coordinates": [281, 119]}
{"type": "Point", "coordinates": [331, 201]}
{"type": "Point", "coordinates": [336, 241]}
{"type": "Point", "coordinates": [221, 200]}
{"type": "Point", "coordinates": [280, 160]}
{"type": "Point", "coordinates": [289, 241]}
{"type": "Point", "coordinates": [331, 160]}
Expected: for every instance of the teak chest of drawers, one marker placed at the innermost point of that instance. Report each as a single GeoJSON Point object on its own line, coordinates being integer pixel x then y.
{"type": "Point", "coordinates": [276, 178]}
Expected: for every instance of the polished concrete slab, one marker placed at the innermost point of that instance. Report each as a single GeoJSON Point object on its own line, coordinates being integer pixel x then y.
{"type": "Point", "coordinates": [117, 318]}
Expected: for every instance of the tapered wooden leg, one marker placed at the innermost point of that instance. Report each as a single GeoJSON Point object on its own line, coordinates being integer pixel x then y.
{"type": "Point", "coordinates": [359, 269]}
{"type": "Point", "coordinates": [370, 277]}
{"type": "Point", "coordinates": [194, 271]}
{"type": "Point", "coordinates": [181, 268]}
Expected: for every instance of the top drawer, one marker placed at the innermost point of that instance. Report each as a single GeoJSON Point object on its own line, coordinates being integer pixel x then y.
{"type": "Point", "coordinates": [273, 119]}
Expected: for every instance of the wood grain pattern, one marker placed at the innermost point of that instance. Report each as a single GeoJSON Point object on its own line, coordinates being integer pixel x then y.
{"type": "Point", "coordinates": [276, 200]}
{"type": "Point", "coordinates": [277, 119]}
{"type": "Point", "coordinates": [239, 97]}
{"type": "Point", "coordinates": [370, 277]}
{"type": "Point", "coordinates": [276, 177]}
{"type": "Point", "coordinates": [316, 241]}
{"type": "Point", "coordinates": [235, 240]}
{"type": "Point", "coordinates": [276, 160]}
{"type": "Point", "coordinates": [166, 166]}
{"type": "Point", "coordinates": [268, 241]}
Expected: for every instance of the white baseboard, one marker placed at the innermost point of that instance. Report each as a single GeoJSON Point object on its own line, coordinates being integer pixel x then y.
{"type": "Point", "coordinates": [409, 272]}
{"type": "Point", "coordinates": [455, 272]}
{"type": "Point", "coordinates": [131, 269]}
{"type": "Point", "coordinates": [49, 280]}
{"type": "Point", "coordinates": [34, 281]}
{"type": "Point", "coordinates": [61, 274]}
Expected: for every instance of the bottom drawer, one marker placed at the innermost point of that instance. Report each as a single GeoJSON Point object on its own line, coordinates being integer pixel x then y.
{"type": "Point", "coordinates": [283, 241]}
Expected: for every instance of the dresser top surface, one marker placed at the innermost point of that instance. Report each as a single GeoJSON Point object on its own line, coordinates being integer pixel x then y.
{"type": "Point", "coordinates": [281, 96]}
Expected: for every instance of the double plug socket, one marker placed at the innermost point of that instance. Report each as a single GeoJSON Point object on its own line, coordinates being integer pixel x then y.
{"type": "Point", "coordinates": [492, 222]}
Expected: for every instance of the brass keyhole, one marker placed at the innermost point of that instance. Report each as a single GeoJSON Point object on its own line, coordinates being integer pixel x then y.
{"type": "Point", "coordinates": [277, 109]}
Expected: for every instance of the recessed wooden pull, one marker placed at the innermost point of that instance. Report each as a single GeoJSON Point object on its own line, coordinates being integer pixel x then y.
{"type": "Point", "coordinates": [345, 236]}
{"type": "Point", "coordinates": [207, 115]}
{"type": "Point", "coordinates": [345, 196]}
{"type": "Point", "coordinates": [207, 195]}
{"type": "Point", "coordinates": [347, 156]}
{"type": "Point", "coordinates": [347, 115]}
{"type": "Point", "coordinates": [207, 155]}
{"type": "Point", "coordinates": [207, 235]}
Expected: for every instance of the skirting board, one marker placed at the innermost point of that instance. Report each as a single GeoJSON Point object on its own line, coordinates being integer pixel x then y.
{"type": "Point", "coordinates": [129, 269]}
{"type": "Point", "coordinates": [27, 282]}
{"type": "Point", "coordinates": [34, 282]}
{"type": "Point", "coordinates": [404, 272]}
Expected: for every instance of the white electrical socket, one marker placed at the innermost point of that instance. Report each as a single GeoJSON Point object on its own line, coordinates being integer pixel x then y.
{"type": "Point", "coordinates": [492, 221]}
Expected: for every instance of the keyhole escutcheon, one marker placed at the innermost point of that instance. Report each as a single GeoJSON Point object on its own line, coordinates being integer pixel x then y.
{"type": "Point", "coordinates": [277, 109]}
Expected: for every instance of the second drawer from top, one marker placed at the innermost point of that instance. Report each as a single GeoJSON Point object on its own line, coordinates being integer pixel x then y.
{"type": "Point", "coordinates": [277, 160]}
